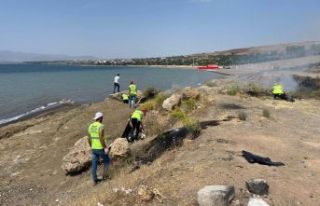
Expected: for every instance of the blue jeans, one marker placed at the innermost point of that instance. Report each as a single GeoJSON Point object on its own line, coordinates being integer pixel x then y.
{"type": "Point", "coordinates": [96, 155]}
{"type": "Point", "coordinates": [132, 101]}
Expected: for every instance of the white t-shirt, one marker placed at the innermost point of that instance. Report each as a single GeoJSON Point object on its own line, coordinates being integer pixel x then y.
{"type": "Point", "coordinates": [116, 79]}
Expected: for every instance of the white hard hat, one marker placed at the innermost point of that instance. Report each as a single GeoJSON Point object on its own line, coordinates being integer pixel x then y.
{"type": "Point", "coordinates": [98, 115]}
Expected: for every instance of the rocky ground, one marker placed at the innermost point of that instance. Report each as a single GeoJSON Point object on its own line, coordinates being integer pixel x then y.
{"type": "Point", "coordinates": [32, 151]}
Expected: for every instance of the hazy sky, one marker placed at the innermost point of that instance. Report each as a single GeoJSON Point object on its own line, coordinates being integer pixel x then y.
{"type": "Point", "coordinates": [144, 28]}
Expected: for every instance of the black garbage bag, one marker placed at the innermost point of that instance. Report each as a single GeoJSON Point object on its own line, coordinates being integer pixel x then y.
{"type": "Point", "coordinates": [252, 158]}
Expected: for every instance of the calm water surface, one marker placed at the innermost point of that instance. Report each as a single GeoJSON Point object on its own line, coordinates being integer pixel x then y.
{"type": "Point", "coordinates": [27, 87]}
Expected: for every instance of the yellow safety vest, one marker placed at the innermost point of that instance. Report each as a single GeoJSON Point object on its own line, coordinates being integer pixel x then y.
{"type": "Point", "coordinates": [94, 131]}
{"type": "Point", "coordinates": [277, 89]}
{"type": "Point", "coordinates": [137, 114]}
{"type": "Point", "coordinates": [132, 89]}
{"type": "Point", "coordinates": [125, 97]}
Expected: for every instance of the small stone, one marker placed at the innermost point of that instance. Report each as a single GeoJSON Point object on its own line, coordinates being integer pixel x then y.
{"type": "Point", "coordinates": [145, 194]}
{"type": "Point", "coordinates": [255, 201]}
{"type": "Point", "coordinates": [258, 186]}
{"type": "Point", "coordinates": [215, 195]}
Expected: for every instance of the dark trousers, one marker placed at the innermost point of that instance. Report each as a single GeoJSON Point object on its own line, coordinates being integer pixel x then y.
{"type": "Point", "coordinates": [125, 101]}
{"type": "Point", "coordinates": [96, 155]}
{"type": "Point", "coordinates": [116, 85]}
{"type": "Point", "coordinates": [135, 128]}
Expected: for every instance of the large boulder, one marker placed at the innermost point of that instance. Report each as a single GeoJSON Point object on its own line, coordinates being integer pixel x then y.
{"type": "Point", "coordinates": [190, 93]}
{"type": "Point", "coordinates": [79, 157]}
{"type": "Point", "coordinates": [258, 186]}
{"type": "Point", "coordinates": [120, 148]}
{"type": "Point", "coordinates": [254, 201]}
{"type": "Point", "coordinates": [171, 102]}
{"type": "Point", "coordinates": [215, 195]}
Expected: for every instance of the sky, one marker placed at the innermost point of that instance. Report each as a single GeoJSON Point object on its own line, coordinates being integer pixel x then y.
{"type": "Point", "coordinates": [148, 28]}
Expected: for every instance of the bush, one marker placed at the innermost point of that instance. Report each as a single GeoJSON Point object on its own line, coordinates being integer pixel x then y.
{"type": "Point", "coordinates": [178, 114]}
{"type": "Point", "coordinates": [188, 105]}
{"type": "Point", "coordinates": [242, 116]}
{"type": "Point", "coordinates": [233, 90]}
{"type": "Point", "coordinates": [150, 92]}
{"type": "Point", "coordinates": [193, 127]}
{"type": "Point", "coordinates": [256, 90]}
{"type": "Point", "coordinates": [266, 113]}
{"type": "Point", "coordinates": [149, 105]}
{"type": "Point", "coordinates": [159, 99]}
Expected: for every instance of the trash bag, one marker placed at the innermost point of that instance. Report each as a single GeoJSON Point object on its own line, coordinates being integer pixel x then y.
{"type": "Point", "coordinates": [252, 158]}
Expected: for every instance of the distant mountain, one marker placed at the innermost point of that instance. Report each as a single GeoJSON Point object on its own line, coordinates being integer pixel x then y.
{"type": "Point", "coordinates": [19, 57]}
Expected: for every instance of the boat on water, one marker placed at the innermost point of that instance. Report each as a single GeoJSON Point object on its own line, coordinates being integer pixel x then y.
{"type": "Point", "coordinates": [209, 67]}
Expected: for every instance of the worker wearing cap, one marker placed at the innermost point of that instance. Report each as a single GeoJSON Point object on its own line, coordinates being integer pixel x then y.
{"type": "Point", "coordinates": [98, 145]}
{"type": "Point", "coordinates": [136, 122]}
{"type": "Point", "coordinates": [132, 94]}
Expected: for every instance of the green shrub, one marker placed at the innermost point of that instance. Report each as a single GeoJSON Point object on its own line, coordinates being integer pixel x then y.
{"type": "Point", "coordinates": [242, 116]}
{"type": "Point", "coordinates": [193, 127]}
{"type": "Point", "coordinates": [233, 90]}
{"type": "Point", "coordinates": [266, 113]}
{"type": "Point", "coordinates": [150, 92]}
{"type": "Point", "coordinates": [178, 114]}
{"type": "Point", "coordinates": [159, 99]}
{"type": "Point", "coordinates": [149, 105]}
{"type": "Point", "coordinates": [188, 105]}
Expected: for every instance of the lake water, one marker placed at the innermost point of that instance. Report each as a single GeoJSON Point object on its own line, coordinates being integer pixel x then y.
{"type": "Point", "coordinates": [29, 88]}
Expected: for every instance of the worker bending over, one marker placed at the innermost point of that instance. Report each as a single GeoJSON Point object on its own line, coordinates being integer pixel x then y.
{"type": "Point", "coordinates": [125, 98]}
{"type": "Point", "coordinates": [136, 123]}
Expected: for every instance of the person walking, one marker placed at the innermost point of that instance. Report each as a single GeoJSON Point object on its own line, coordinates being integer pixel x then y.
{"type": "Point", "coordinates": [116, 83]}
{"type": "Point", "coordinates": [132, 94]}
{"type": "Point", "coordinates": [98, 146]}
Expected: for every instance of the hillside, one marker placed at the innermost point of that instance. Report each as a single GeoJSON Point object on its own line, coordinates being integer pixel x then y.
{"type": "Point", "coordinates": [32, 151]}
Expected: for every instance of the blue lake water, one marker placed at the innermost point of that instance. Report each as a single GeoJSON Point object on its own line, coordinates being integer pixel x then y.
{"type": "Point", "coordinates": [32, 87]}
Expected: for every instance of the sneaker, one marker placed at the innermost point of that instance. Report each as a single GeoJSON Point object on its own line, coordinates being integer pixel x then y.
{"type": "Point", "coordinates": [95, 182]}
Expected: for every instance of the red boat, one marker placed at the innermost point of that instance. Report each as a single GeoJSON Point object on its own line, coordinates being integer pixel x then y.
{"type": "Point", "coordinates": [209, 67]}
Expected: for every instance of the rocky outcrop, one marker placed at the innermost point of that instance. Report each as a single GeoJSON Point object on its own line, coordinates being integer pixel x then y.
{"type": "Point", "coordinates": [120, 148]}
{"type": "Point", "coordinates": [258, 186]}
{"type": "Point", "coordinates": [79, 157]}
{"type": "Point", "coordinates": [171, 102]}
{"type": "Point", "coordinates": [254, 201]}
{"type": "Point", "coordinates": [215, 195]}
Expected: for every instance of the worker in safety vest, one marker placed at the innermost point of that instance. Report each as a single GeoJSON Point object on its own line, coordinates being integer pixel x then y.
{"type": "Point", "coordinates": [98, 146]}
{"type": "Point", "coordinates": [132, 94]}
{"type": "Point", "coordinates": [136, 123]}
{"type": "Point", "coordinates": [125, 98]}
{"type": "Point", "coordinates": [277, 91]}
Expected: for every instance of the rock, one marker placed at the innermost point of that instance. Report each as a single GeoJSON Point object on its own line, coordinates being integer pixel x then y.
{"type": "Point", "coordinates": [215, 195]}
{"type": "Point", "coordinates": [145, 194]}
{"type": "Point", "coordinates": [120, 148]}
{"type": "Point", "coordinates": [190, 93]}
{"type": "Point", "coordinates": [79, 157]}
{"type": "Point", "coordinates": [171, 102]}
{"type": "Point", "coordinates": [258, 186]}
{"type": "Point", "coordinates": [254, 201]}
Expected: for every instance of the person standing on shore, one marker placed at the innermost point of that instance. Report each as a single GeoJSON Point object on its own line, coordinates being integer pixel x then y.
{"type": "Point", "coordinates": [133, 91]}
{"type": "Point", "coordinates": [98, 146]}
{"type": "Point", "coordinates": [116, 83]}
